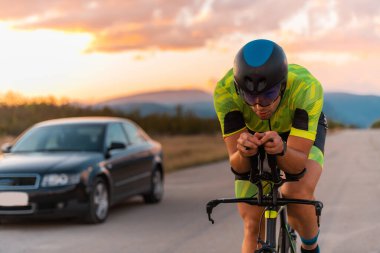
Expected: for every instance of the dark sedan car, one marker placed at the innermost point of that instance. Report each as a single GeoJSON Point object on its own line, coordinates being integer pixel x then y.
{"type": "Point", "coordinates": [79, 166]}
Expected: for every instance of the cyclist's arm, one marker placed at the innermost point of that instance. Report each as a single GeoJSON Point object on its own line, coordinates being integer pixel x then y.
{"type": "Point", "coordinates": [296, 154]}
{"type": "Point", "coordinates": [238, 162]}
{"type": "Point", "coordinates": [307, 97]}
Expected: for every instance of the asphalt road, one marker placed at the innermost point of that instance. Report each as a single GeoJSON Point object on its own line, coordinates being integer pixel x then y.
{"type": "Point", "coordinates": [349, 188]}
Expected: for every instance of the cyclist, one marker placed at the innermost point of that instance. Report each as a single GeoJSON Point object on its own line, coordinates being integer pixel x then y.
{"type": "Point", "coordinates": [264, 101]}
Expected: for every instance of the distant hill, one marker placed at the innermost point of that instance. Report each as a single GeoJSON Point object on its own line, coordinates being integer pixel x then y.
{"type": "Point", "coordinates": [166, 97]}
{"type": "Point", "coordinates": [350, 109]}
{"type": "Point", "coordinates": [196, 101]}
{"type": "Point", "coordinates": [359, 110]}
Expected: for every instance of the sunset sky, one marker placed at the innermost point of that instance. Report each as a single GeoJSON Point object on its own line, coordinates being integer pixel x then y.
{"type": "Point", "coordinates": [94, 50]}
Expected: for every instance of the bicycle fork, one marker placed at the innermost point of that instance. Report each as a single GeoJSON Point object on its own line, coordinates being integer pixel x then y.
{"type": "Point", "coordinates": [269, 245]}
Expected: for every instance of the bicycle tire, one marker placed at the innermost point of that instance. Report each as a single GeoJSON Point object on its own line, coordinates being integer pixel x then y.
{"type": "Point", "coordinates": [286, 241]}
{"type": "Point", "coordinates": [265, 251]}
{"type": "Point", "coordinates": [283, 242]}
{"type": "Point", "coordinates": [292, 238]}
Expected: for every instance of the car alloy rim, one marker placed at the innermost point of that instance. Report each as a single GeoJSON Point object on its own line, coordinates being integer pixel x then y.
{"type": "Point", "coordinates": [157, 184]}
{"type": "Point", "coordinates": [101, 201]}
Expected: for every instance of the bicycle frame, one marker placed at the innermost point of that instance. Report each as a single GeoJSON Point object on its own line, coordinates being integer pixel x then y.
{"type": "Point", "coordinates": [272, 202]}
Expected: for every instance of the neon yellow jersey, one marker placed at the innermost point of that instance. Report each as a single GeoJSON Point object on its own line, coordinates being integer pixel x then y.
{"type": "Point", "coordinates": [298, 111]}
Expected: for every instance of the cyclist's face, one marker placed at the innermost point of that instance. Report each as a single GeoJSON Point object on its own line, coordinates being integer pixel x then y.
{"type": "Point", "coordinates": [265, 112]}
{"type": "Point", "coordinates": [263, 99]}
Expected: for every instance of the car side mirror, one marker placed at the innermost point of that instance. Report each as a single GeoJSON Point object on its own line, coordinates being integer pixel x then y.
{"type": "Point", "coordinates": [117, 145]}
{"type": "Point", "coordinates": [6, 147]}
{"type": "Point", "coordinates": [114, 145]}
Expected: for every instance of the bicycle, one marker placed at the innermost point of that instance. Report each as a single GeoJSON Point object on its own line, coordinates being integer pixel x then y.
{"type": "Point", "coordinates": [279, 236]}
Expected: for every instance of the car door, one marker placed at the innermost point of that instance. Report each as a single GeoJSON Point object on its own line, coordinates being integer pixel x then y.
{"type": "Point", "coordinates": [121, 161]}
{"type": "Point", "coordinates": [142, 152]}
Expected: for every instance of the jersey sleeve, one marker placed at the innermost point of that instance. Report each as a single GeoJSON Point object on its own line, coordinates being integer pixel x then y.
{"type": "Point", "coordinates": [228, 111]}
{"type": "Point", "coordinates": [307, 107]}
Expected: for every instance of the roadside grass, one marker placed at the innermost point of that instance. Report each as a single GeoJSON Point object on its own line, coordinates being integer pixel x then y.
{"type": "Point", "coordinates": [182, 151]}
{"type": "Point", "coordinates": [189, 150]}
{"type": "Point", "coordinates": [6, 139]}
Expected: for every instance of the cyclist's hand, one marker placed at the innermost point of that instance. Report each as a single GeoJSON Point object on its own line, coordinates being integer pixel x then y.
{"type": "Point", "coordinates": [259, 136]}
{"type": "Point", "coordinates": [272, 142]}
{"type": "Point", "coordinates": [247, 144]}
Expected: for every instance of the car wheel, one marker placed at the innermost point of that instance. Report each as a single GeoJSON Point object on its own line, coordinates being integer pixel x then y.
{"type": "Point", "coordinates": [156, 188]}
{"type": "Point", "coordinates": [99, 202]}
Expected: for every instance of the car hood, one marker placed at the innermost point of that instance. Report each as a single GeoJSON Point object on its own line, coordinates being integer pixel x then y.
{"type": "Point", "coordinates": [48, 162]}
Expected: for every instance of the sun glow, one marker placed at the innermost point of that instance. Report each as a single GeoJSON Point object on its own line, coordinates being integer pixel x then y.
{"type": "Point", "coordinates": [31, 57]}
{"type": "Point", "coordinates": [41, 42]}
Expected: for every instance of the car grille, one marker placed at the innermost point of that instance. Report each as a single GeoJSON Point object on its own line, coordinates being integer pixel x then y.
{"type": "Point", "coordinates": [19, 181]}
{"type": "Point", "coordinates": [14, 210]}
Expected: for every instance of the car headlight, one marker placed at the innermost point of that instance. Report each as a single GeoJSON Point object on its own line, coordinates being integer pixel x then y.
{"type": "Point", "coordinates": [60, 179]}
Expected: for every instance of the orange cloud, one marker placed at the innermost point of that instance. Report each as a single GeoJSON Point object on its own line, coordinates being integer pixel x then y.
{"type": "Point", "coordinates": [119, 25]}
{"type": "Point", "coordinates": [335, 26]}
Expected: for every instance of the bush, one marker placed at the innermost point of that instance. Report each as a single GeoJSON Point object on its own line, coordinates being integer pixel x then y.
{"type": "Point", "coordinates": [335, 124]}
{"type": "Point", "coordinates": [376, 124]}
{"type": "Point", "coordinates": [338, 125]}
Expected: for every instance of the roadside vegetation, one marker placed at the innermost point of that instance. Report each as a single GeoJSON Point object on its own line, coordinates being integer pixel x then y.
{"type": "Point", "coordinates": [182, 151]}
{"type": "Point", "coordinates": [336, 125]}
{"type": "Point", "coordinates": [16, 118]}
{"type": "Point", "coordinates": [376, 124]}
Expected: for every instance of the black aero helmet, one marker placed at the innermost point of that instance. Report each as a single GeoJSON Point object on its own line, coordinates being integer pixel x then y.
{"type": "Point", "coordinates": [260, 68]}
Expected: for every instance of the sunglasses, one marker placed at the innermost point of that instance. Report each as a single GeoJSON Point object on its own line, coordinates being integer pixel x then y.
{"type": "Point", "coordinates": [263, 99]}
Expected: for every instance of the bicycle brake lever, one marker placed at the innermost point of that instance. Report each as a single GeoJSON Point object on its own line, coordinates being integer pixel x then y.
{"type": "Point", "coordinates": [209, 211]}
{"type": "Point", "coordinates": [318, 211]}
{"type": "Point", "coordinates": [209, 207]}
{"type": "Point", "coordinates": [210, 219]}
{"type": "Point", "coordinates": [318, 208]}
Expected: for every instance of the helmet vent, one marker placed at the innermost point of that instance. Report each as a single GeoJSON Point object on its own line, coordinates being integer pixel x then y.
{"type": "Point", "coordinates": [261, 85]}
{"type": "Point", "coordinates": [249, 84]}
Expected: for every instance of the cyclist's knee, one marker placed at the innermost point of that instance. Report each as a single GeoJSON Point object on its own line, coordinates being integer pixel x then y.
{"type": "Point", "coordinates": [298, 191]}
{"type": "Point", "coordinates": [251, 218]}
{"type": "Point", "coordinates": [251, 227]}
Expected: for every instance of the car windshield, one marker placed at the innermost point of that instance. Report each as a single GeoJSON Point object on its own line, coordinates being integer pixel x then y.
{"type": "Point", "coordinates": [65, 137]}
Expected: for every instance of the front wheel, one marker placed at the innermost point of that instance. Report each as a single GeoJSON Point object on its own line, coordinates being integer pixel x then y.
{"type": "Point", "coordinates": [265, 251]}
{"type": "Point", "coordinates": [287, 240]}
{"type": "Point", "coordinates": [99, 202]}
{"type": "Point", "coordinates": [286, 236]}
{"type": "Point", "coordinates": [156, 188]}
